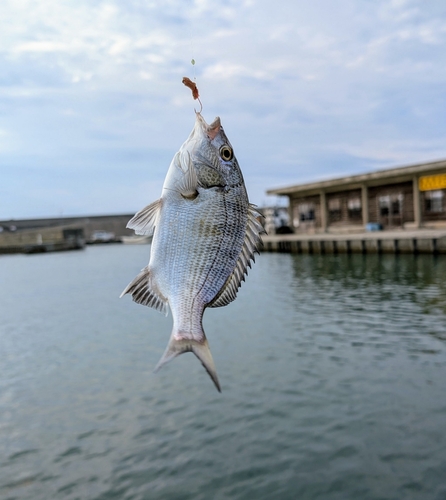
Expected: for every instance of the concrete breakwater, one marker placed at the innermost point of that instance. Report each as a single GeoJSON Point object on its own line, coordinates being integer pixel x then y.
{"type": "Point", "coordinates": [44, 239]}
{"type": "Point", "coordinates": [428, 241]}
{"type": "Point", "coordinates": [54, 234]}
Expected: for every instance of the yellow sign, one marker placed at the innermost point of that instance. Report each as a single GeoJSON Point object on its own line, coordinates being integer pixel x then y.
{"type": "Point", "coordinates": [431, 182]}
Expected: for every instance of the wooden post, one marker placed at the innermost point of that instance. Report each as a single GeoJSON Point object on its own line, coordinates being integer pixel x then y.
{"type": "Point", "coordinates": [365, 204]}
{"type": "Point", "coordinates": [324, 218]}
{"type": "Point", "coordinates": [290, 211]}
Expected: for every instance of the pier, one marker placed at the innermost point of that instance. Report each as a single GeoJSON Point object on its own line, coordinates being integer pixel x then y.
{"type": "Point", "coordinates": [426, 241]}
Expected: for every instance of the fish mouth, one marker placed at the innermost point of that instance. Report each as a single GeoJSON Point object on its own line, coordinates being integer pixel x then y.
{"type": "Point", "coordinates": [210, 130]}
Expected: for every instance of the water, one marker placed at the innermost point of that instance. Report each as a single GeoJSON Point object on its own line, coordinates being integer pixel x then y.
{"type": "Point", "coordinates": [333, 370]}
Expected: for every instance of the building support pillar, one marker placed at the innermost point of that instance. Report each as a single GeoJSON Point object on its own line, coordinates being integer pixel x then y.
{"type": "Point", "coordinates": [324, 215]}
{"type": "Point", "coordinates": [416, 203]}
{"type": "Point", "coordinates": [291, 211]}
{"type": "Point", "coordinates": [365, 204]}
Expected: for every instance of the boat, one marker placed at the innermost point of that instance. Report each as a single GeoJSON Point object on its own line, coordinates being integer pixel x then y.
{"type": "Point", "coordinates": [136, 240]}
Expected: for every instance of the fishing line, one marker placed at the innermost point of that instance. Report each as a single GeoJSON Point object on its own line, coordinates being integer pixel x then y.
{"type": "Point", "coordinates": [187, 81]}
{"type": "Point", "coordinates": [192, 61]}
{"type": "Point", "coordinates": [192, 49]}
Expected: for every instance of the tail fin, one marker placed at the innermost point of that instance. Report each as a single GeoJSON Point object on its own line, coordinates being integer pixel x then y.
{"type": "Point", "coordinates": [200, 349]}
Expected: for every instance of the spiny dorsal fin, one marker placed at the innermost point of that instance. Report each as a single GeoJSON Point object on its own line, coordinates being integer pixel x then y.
{"type": "Point", "coordinates": [142, 292]}
{"type": "Point", "coordinates": [145, 220]}
{"type": "Point", "coordinates": [251, 245]}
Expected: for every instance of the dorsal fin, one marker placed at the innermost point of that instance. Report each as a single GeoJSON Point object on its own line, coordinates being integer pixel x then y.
{"type": "Point", "coordinates": [145, 220]}
{"type": "Point", "coordinates": [142, 292]}
{"type": "Point", "coordinates": [251, 245]}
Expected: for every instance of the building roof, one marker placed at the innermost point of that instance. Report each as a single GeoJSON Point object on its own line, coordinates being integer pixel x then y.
{"type": "Point", "coordinates": [376, 178]}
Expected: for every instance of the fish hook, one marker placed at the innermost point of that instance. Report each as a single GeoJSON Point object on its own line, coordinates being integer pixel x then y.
{"type": "Point", "coordinates": [201, 107]}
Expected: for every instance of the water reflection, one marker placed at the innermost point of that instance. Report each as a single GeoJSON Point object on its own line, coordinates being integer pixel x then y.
{"type": "Point", "coordinates": [332, 367]}
{"type": "Point", "coordinates": [397, 281]}
{"type": "Point", "coordinates": [419, 270]}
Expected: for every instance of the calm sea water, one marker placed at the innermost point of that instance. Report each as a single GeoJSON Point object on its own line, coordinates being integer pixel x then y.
{"type": "Point", "coordinates": [333, 370]}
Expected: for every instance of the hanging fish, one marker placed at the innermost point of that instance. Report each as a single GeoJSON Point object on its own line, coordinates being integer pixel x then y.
{"type": "Point", "coordinates": [205, 233]}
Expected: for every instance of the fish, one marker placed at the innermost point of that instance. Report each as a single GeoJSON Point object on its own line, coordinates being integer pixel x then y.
{"type": "Point", "coordinates": [205, 234]}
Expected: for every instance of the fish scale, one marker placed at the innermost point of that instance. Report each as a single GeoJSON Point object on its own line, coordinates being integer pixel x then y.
{"type": "Point", "coordinates": [199, 267]}
{"type": "Point", "coordinates": [205, 233]}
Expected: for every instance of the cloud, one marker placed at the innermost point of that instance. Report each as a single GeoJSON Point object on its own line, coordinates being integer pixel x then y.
{"type": "Point", "coordinates": [311, 88]}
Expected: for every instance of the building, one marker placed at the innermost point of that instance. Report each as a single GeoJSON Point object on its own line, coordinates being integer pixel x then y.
{"type": "Point", "coordinates": [276, 220]}
{"type": "Point", "coordinates": [409, 197]}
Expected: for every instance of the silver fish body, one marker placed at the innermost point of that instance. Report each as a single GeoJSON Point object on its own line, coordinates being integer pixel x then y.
{"type": "Point", "coordinates": [205, 233]}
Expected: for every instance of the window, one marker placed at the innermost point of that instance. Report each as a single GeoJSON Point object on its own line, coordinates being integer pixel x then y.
{"type": "Point", "coordinates": [397, 204]}
{"type": "Point", "coordinates": [434, 201]}
{"type": "Point", "coordinates": [354, 208]}
{"type": "Point", "coordinates": [334, 209]}
{"type": "Point", "coordinates": [306, 212]}
{"type": "Point", "coordinates": [391, 205]}
{"type": "Point", "coordinates": [384, 205]}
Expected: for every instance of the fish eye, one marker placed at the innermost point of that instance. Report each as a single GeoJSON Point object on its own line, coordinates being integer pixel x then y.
{"type": "Point", "coordinates": [226, 153]}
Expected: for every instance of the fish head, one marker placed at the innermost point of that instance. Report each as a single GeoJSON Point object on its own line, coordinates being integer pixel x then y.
{"type": "Point", "coordinates": [212, 155]}
{"type": "Point", "coordinates": [206, 158]}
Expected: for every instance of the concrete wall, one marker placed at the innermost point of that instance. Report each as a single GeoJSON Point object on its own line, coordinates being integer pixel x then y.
{"type": "Point", "coordinates": [110, 223]}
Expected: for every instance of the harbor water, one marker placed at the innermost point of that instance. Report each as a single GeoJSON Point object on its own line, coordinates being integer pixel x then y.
{"type": "Point", "coordinates": [333, 371]}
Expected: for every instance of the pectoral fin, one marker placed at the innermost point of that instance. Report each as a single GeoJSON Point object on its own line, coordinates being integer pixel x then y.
{"type": "Point", "coordinates": [189, 182]}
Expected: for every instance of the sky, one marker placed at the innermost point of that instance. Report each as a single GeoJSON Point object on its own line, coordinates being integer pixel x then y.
{"type": "Point", "coordinates": [92, 108]}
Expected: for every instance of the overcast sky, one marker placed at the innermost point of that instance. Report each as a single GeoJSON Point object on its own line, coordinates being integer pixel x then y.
{"type": "Point", "coordinates": [92, 108]}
